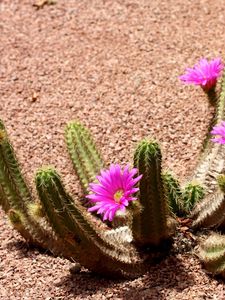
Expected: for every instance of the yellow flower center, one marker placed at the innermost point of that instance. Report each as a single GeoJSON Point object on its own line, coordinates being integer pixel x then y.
{"type": "Point", "coordinates": [118, 195]}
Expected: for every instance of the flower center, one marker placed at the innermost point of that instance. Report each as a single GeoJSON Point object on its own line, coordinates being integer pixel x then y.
{"type": "Point", "coordinates": [118, 195]}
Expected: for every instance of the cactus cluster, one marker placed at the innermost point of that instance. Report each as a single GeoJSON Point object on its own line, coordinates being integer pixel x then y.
{"type": "Point", "coordinates": [58, 222]}
{"type": "Point", "coordinates": [63, 225]}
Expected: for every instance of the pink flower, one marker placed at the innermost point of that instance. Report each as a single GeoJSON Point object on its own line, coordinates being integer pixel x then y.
{"type": "Point", "coordinates": [220, 131]}
{"type": "Point", "coordinates": [205, 73]}
{"type": "Point", "coordinates": [113, 191]}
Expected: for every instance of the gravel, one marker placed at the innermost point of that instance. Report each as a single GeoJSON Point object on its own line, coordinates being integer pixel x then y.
{"type": "Point", "coordinates": [114, 65]}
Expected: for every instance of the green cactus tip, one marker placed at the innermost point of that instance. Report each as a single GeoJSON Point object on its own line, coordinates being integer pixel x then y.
{"type": "Point", "coordinates": [45, 175]}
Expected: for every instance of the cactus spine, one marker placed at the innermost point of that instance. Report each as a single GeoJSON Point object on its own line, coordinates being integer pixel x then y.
{"type": "Point", "coordinates": [150, 225]}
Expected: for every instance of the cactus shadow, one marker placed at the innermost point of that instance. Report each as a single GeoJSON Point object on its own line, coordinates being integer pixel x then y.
{"type": "Point", "coordinates": [24, 248]}
{"type": "Point", "coordinates": [85, 283]}
{"type": "Point", "coordinates": [163, 278]}
{"type": "Point", "coordinates": [169, 274]}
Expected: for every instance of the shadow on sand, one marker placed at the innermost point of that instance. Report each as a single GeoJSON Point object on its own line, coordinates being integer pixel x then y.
{"type": "Point", "coordinates": [165, 275]}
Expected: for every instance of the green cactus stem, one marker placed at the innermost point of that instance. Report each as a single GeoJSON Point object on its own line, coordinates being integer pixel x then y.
{"type": "Point", "coordinates": [89, 246]}
{"type": "Point", "coordinates": [86, 158]}
{"type": "Point", "coordinates": [150, 214]}
{"type": "Point", "coordinates": [212, 254]}
{"type": "Point", "coordinates": [13, 186]}
{"type": "Point", "coordinates": [193, 193]}
{"type": "Point", "coordinates": [14, 193]}
{"type": "Point", "coordinates": [174, 192]}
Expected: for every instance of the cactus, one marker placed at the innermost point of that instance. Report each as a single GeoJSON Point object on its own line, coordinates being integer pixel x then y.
{"type": "Point", "coordinates": [193, 193]}
{"type": "Point", "coordinates": [62, 225]}
{"type": "Point", "coordinates": [16, 201]}
{"type": "Point", "coordinates": [212, 254]}
{"type": "Point", "coordinates": [58, 223]}
{"type": "Point", "coordinates": [86, 158]}
{"type": "Point", "coordinates": [88, 246]}
{"type": "Point", "coordinates": [150, 215]}
{"type": "Point", "coordinates": [174, 193]}
{"type": "Point", "coordinates": [211, 163]}
{"type": "Point", "coordinates": [182, 200]}
{"type": "Point", "coordinates": [14, 193]}
{"type": "Point", "coordinates": [209, 212]}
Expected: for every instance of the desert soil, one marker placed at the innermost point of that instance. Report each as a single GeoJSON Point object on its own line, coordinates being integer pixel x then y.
{"type": "Point", "coordinates": [114, 65]}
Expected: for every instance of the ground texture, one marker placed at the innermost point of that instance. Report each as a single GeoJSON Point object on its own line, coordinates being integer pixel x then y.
{"type": "Point", "coordinates": [112, 64]}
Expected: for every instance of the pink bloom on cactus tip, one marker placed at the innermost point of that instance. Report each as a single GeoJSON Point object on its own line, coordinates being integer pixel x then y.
{"type": "Point", "coordinates": [113, 191]}
{"type": "Point", "coordinates": [219, 130]}
{"type": "Point", "coordinates": [204, 73]}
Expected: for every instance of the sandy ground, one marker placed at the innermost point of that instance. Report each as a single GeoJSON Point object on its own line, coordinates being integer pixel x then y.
{"type": "Point", "coordinates": [114, 66]}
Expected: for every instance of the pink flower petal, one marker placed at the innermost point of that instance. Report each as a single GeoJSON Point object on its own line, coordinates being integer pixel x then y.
{"type": "Point", "coordinates": [113, 191]}
{"type": "Point", "coordinates": [219, 132]}
{"type": "Point", "coordinates": [204, 73]}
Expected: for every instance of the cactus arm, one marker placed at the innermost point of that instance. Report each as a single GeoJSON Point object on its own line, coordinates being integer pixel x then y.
{"type": "Point", "coordinates": [149, 224]}
{"type": "Point", "coordinates": [8, 183]}
{"type": "Point", "coordinates": [192, 194]}
{"type": "Point", "coordinates": [174, 192]}
{"type": "Point", "coordinates": [108, 258]}
{"type": "Point", "coordinates": [86, 158]}
{"type": "Point", "coordinates": [12, 187]}
{"type": "Point", "coordinates": [211, 162]}
{"type": "Point", "coordinates": [11, 166]}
